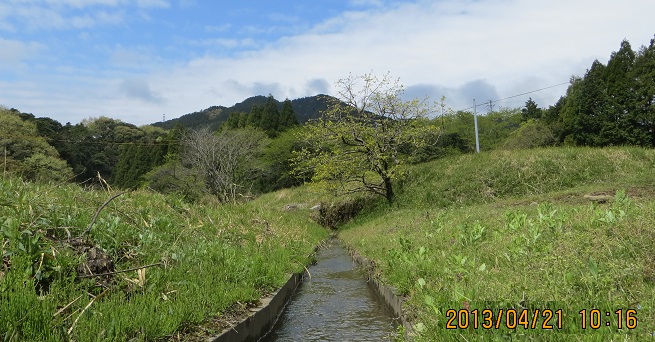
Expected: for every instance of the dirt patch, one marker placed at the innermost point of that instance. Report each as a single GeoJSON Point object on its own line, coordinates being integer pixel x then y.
{"type": "Point", "coordinates": [97, 261]}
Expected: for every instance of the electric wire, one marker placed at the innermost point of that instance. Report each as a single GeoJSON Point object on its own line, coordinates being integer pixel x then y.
{"type": "Point", "coordinates": [513, 96]}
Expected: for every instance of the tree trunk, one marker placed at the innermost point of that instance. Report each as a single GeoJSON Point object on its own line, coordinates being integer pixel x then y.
{"type": "Point", "coordinates": [388, 190]}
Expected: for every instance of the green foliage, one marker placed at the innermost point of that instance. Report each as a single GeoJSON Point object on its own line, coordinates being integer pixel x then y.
{"type": "Point", "coordinates": [173, 178]}
{"type": "Point", "coordinates": [356, 145]}
{"type": "Point", "coordinates": [610, 104]}
{"type": "Point", "coordinates": [27, 154]}
{"type": "Point", "coordinates": [532, 133]}
{"type": "Point", "coordinates": [458, 133]}
{"type": "Point", "coordinates": [266, 117]}
{"type": "Point", "coordinates": [44, 168]}
{"type": "Point", "coordinates": [287, 116]}
{"type": "Point", "coordinates": [277, 171]}
{"type": "Point", "coordinates": [531, 111]}
{"type": "Point", "coordinates": [270, 118]}
{"type": "Point", "coordinates": [141, 156]}
{"type": "Point", "coordinates": [643, 117]}
{"type": "Point", "coordinates": [496, 127]}
{"type": "Point", "coordinates": [305, 109]}
{"type": "Point", "coordinates": [487, 177]}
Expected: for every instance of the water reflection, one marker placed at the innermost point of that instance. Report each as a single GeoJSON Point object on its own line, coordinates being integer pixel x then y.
{"type": "Point", "coordinates": [336, 304]}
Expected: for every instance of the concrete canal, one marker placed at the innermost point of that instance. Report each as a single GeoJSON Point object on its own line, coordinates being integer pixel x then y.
{"type": "Point", "coordinates": [334, 304]}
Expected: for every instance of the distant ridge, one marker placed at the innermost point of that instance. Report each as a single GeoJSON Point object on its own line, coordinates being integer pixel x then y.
{"type": "Point", "coordinates": [306, 108]}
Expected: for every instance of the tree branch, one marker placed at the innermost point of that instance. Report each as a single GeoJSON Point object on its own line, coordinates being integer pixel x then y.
{"type": "Point", "coordinates": [93, 220]}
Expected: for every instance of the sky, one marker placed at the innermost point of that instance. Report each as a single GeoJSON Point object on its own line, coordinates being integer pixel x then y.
{"type": "Point", "coordinates": [142, 60]}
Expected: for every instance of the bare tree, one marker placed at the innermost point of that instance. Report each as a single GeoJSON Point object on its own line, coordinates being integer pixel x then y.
{"type": "Point", "coordinates": [224, 159]}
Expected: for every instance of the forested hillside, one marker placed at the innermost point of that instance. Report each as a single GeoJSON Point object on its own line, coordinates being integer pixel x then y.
{"type": "Point", "coordinates": [305, 109]}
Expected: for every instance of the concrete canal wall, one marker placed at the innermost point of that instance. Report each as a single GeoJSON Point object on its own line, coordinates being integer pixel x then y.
{"type": "Point", "coordinates": [261, 321]}
{"type": "Point", "coordinates": [263, 318]}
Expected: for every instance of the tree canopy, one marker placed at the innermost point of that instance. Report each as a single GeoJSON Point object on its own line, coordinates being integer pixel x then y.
{"type": "Point", "coordinates": [26, 153]}
{"type": "Point", "coordinates": [356, 145]}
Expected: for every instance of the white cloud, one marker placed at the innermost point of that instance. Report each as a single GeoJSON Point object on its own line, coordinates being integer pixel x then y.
{"type": "Point", "coordinates": [153, 3]}
{"type": "Point", "coordinates": [228, 43]}
{"type": "Point", "coordinates": [35, 18]}
{"type": "Point", "coordinates": [140, 58]}
{"type": "Point", "coordinates": [217, 28]}
{"type": "Point", "coordinates": [13, 53]}
{"type": "Point", "coordinates": [81, 3]}
{"type": "Point", "coordinates": [462, 49]}
{"type": "Point", "coordinates": [366, 2]}
{"type": "Point", "coordinates": [140, 89]}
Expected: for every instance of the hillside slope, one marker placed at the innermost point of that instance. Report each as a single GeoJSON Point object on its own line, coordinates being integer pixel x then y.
{"type": "Point", "coordinates": [567, 229]}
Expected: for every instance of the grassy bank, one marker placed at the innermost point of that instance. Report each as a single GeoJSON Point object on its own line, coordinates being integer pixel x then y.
{"type": "Point", "coordinates": [206, 264]}
{"type": "Point", "coordinates": [514, 231]}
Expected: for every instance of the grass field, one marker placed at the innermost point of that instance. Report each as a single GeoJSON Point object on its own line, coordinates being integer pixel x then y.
{"type": "Point", "coordinates": [207, 263]}
{"type": "Point", "coordinates": [514, 231]}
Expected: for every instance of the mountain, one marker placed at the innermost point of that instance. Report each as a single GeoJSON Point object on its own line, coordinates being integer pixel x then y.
{"type": "Point", "coordinates": [305, 108]}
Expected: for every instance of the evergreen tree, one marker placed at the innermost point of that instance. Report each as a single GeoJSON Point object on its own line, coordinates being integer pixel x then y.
{"type": "Point", "coordinates": [553, 118]}
{"type": "Point", "coordinates": [139, 157]}
{"type": "Point", "coordinates": [232, 121]}
{"type": "Point", "coordinates": [287, 117]}
{"type": "Point", "coordinates": [530, 111]}
{"type": "Point", "coordinates": [643, 74]}
{"type": "Point", "coordinates": [588, 109]}
{"type": "Point", "coordinates": [270, 117]}
{"type": "Point", "coordinates": [618, 127]}
{"type": "Point", "coordinates": [255, 116]}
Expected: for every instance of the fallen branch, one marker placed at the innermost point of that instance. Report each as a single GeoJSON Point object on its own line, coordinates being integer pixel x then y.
{"type": "Point", "coordinates": [121, 271]}
{"type": "Point", "coordinates": [93, 220]}
{"type": "Point", "coordinates": [66, 307]}
{"type": "Point", "coordinates": [86, 307]}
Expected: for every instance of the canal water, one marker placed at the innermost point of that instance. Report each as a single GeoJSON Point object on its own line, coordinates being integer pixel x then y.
{"type": "Point", "coordinates": [334, 304]}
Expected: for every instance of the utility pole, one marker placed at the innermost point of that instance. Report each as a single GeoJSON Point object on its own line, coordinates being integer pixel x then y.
{"type": "Point", "coordinates": [475, 121]}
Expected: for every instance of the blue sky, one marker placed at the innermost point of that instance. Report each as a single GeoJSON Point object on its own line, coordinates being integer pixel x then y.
{"type": "Point", "coordinates": [137, 60]}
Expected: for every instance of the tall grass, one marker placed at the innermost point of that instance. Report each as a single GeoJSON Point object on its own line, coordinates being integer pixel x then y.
{"type": "Point", "coordinates": [511, 230]}
{"type": "Point", "coordinates": [209, 260]}
{"type": "Point", "coordinates": [487, 177]}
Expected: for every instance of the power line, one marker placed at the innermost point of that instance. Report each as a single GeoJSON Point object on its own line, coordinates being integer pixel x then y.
{"type": "Point", "coordinates": [87, 142]}
{"type": "Point", "coordinates": [513, 96]}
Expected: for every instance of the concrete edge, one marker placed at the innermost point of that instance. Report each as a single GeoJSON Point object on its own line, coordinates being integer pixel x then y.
{"type": "Point", "coordinates": [264, 317]}
{"type": "Point", "coordinates": [388, 294]}
{"type": "Point", "coordinates": [258, 324]}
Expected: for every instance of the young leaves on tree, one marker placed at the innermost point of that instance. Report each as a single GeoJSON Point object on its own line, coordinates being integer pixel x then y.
{"type": "Point", "coordinates": [356, 145]}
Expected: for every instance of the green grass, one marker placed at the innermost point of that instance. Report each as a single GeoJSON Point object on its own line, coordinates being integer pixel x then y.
{"type": "Point", "coordinates": [511, 230]}
{"type": "Point", "coordinates": [212, 261]}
